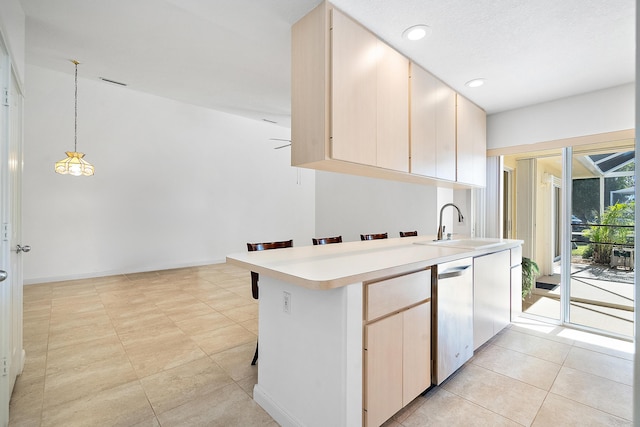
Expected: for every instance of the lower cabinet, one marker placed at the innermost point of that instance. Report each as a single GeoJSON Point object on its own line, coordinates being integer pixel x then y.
{"type": "Point", "coordinates": [397, 345]}
{"type": "Point", "coordinates": [491, 295]}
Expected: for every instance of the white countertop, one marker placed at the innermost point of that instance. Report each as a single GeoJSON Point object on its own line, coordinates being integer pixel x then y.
{"type": "Point", "coordinates": [335, 265]}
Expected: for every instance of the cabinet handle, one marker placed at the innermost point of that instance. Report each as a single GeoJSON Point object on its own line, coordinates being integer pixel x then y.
{"type": "Point", "coordinates": [453, 272]}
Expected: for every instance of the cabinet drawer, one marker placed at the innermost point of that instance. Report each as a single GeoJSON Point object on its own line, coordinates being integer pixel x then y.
{"type": "Point", "coordinates": [516, 256]}
{"type": "Point", "coordinates": [388, 296]}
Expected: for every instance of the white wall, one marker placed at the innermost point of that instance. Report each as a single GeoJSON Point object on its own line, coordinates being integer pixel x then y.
{"type": "Point", "coordinates": [352, 205]}
{"type": "Point", "coordinates": [602, 111]}
{"type": "Point", "coordinates": [12, 30]}
{"type": "Point", "coordinates": [175, 184]}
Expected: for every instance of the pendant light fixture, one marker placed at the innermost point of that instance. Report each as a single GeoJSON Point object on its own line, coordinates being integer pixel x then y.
{"type": "Point", "coordinates": [74, 164]}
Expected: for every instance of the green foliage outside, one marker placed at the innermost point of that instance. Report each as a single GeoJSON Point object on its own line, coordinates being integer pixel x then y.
{"type": "Point", "coordinates": [606, 232]}
{"type": "Point", "coordinates": [529, 273]}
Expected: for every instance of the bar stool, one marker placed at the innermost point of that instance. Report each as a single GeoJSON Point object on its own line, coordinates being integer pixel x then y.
{"type": "Point", "coordinates": [326, 240]}
{"type": "Point", "coordinates": [373, 236]}
{"type": "Point", "coordinates": [255, 277]}
{"type": "Point", "coordinates": [408, 233]}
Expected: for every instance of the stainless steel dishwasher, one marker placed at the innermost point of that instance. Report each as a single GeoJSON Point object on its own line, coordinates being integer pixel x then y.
{"type": "Point", "coordinates": [452, 301]}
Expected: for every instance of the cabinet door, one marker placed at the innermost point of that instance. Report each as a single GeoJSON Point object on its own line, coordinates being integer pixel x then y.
{"type": "Point", "coordinates": [445, 132]}
{"type": "Point", "coordinates": [383, 369]}
{"type": "Point", "coordinates": [423, 122]}
{"type": "Point", "coordinates": [393, 110]}
{"type": "Point", "coordinates": [491, 295]}
{"type": "Point", "coordinates": [353, 91]}
{"type": "Point", "coordinates": [472, 143]}
{"type": "Point", "coordinates": [416, 359]}
{"type": "Point", "coordinates": [516, 291]}
{"type": "Point", "coordinates": [433, 126]}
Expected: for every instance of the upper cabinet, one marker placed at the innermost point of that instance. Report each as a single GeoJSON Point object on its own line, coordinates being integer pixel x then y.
{"type": "Point", "coordinates": [353, 110]}
{"type": "Point", "coordinates": [433, 126]}
{"type": "Point", "coordinates": [369, 98]}
{"type": "Point", "coordinates": [472, 143]}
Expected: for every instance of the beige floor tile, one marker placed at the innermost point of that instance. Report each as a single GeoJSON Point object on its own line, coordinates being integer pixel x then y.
{"type": "Point", "coordinates": [25, 407]}
{"type": "Point", "coordinates": [623, 350]}
{"type": "Point", "coordinates": [533, 345]}
{"type": "Point", "coordinates": [559, 411]}
{"type": "Point", "coordinates": [251, 325]}
{"type": "Point", "coordinates": [443, 408]}
{"type": "Point", "coordinates": [35, 326]}
{"type": "Point", "coordinates": [226, 302]}
{"type": "Point", "coordinates": [37, 311]}
{"type": "Point", "coordinates": [505, 396]}
{"type": "Point", "coordinates": [132, 309]}
{"type": "Point", "coordinates": [204, 323]}
{"type": "Point", "coordinates": [237, 361]}
{"type": "Point", "coordinates": [82, 354]}
{"type": "Point", "coordinates": [223, 339]}
{"type": "Point", "coordinates": [79, 335]}
{"type": "Point", "coordinates": [162, 352]}
{"type": "Point", "coordinates": [149, 422]}
{"type": "Point", "coordinates": [147, 329]}
{"type": "Point", "coordinates": [34, 367]}
{"type": "Point", "coordinates": [186, 311]}
{"type": "Point", "coordinates": [65, 385]}
{"type": "Point", "coordinates": [242, 313]}
{"type": "Point", "coordinates": [123, 405]}
{"type": "Point", "coordinates": [600, 393]}
{"type": "Point", "coordinates": [248, 383]}
{"type": "Point", "coordinates": [65, 321]}
{"type": "Point", "coordinates": [541, 330]}
{"type": "Point", "coordinates": [229, 406]}
{"type": "Point", "coordinates": [35, 345]}
{"type": "Point", "coordinates": [213, 294]}
{"type": "Point", "coordinates": [122, 297]}
{"type": "Point", "coordinates": [405, 412]}
{"type": "Point", "coordinates": [174, 387]}
{"type": "Point", "coordinates": [603, 365]}
{"type": "Point", "coordinates": [531, 370]}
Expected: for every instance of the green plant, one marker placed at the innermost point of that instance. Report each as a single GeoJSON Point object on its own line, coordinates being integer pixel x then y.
{"type": "Point", "coordinates": [530, 271]}
{"type": "Point", "coordinates": [608, 232]}
{"type": "Point", "coordinates": [588, 252]}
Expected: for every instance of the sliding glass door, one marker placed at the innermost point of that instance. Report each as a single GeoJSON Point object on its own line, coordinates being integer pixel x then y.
{"type": "Point", "coordinates": [600, 289]}
{"type": "Point", "coordinates": [574, 209]}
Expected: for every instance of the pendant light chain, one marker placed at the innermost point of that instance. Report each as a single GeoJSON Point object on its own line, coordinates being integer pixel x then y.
{"type": "Point", "coordinates": [75, 124]}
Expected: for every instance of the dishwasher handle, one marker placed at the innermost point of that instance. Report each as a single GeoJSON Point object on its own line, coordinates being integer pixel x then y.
{"type": "Point", "coordinates": [453, 272]}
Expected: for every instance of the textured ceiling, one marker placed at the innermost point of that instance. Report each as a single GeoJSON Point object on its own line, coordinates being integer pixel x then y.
{"type": "Point", "coordinates": [234, 55]}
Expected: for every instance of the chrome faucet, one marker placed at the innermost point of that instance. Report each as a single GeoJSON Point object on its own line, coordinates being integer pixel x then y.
{"type": "Point", "coordinates": [440, 226]}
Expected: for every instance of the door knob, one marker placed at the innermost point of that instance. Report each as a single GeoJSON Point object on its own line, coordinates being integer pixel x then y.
{"type": "Point", "coordinates": [22, 249]}
{"type": "Point", "coordinates": [3, 275]}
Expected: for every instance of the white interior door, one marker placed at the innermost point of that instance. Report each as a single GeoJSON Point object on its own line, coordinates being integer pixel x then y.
{"type": "Point", "coordinates": [15, 227]}
{"type": "Point", "coordinates": [5, 284]}
{"type": "Point", "coordinates": [11, 351]}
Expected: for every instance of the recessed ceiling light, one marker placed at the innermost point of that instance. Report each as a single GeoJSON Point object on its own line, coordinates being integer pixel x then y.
{"type": "Point", "coordinates": [417, 32]}
{"type": "Point", "coordinates": [475, 83]}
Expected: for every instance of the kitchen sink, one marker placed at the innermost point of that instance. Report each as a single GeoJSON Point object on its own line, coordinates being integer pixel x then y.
{"type": "Point", "coordinates": [463, 243]}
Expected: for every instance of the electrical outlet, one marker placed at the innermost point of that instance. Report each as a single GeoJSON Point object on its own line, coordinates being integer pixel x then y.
{"type": "Point", "coordinates": [286, 302]}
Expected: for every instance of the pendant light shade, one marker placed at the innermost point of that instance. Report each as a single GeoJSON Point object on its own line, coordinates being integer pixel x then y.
{"type": "Point", "coordinates": [75, 164]}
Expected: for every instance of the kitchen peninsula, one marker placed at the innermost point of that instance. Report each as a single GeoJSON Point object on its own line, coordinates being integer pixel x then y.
{"type": "Point", "coordinates": [314, 313]}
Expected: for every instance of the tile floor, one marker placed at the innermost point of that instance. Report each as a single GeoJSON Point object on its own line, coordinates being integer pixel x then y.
{"type": "Point", "coordinates": [172, 348]}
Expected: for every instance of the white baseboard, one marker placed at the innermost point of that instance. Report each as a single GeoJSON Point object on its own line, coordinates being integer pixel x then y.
{"type": "Point", "coordinates": [281, 416]}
